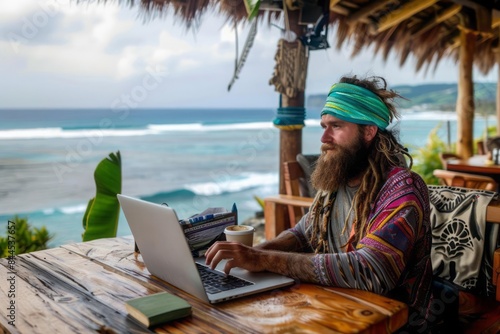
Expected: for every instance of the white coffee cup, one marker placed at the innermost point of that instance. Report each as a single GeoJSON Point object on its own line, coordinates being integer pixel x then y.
{"type": "Point", "coordinates": [240, 233]}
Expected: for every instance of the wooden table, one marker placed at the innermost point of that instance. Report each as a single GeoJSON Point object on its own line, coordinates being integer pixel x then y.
{"type": "Point", "coordinates": [82, 288]}
{"type": "Point", "coordinates": [475, 165]}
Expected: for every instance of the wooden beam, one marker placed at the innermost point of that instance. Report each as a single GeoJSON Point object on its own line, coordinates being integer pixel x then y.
{"type": "Point", "coordinates": [402, 13]}
{"type": "Point", "coordinates": [365, 11]}
{"type": "Point", "coordinates": [465, 98]}
{"type": "Point", "coordinates": [442, 16]}
{"type": "Point", "coordinates": [483, 10]}
{"type": "Point", "coordinates": [474, 4]}
{"type": "Point", "coordinates": [340, 10]}
{"type": "Point", "coordinates": [495, 19]}
{"type": "Point", "coordinates": [483, 20]}
{"type": "Point", "coordinates": [333, 3]}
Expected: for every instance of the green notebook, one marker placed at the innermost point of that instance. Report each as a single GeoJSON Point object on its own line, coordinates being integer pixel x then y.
{"type": "Point", "coordinates": [157, 308]}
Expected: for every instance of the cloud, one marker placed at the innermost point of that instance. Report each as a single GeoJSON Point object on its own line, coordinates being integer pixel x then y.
{"type": "Point", "coordinates": [59, 53]}
{"type": "Point", "coordinates": [55, 38]}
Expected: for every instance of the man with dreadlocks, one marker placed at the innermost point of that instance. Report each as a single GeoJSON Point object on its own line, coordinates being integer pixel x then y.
{"type": "Point", "coordinates": [368, 227]}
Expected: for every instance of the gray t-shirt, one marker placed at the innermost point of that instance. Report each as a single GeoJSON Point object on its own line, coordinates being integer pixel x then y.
{"type": "Point", "coordinates": [341, 219]}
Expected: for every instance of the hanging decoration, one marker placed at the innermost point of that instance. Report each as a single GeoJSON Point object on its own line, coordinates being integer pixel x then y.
{"type": "Point", "coordinates": [290, 71]}
{"type": "Point", "coordinates": [246, 50]}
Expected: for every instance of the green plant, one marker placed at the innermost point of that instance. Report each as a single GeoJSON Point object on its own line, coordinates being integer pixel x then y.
{"type": "Point", "coordinates": [260, 201]}
{"type": "Point", "coordinates": [427, 158]}
{"type": "Point", "coordinates": [23, 238]}
{"type": "Point", "coordinates": [101, 217]}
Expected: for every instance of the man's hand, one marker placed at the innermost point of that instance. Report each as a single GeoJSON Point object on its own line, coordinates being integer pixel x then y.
{"type": "Point", "coordinates": [238, 255]}
{"type": "Point", "coordinates": [269, 256]}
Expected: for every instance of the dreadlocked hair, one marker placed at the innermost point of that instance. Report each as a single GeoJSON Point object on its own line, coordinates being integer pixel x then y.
{"type": "Point", "coordinates": [320, 215]}
{"type": "Point", "coordinates": [385, 154]}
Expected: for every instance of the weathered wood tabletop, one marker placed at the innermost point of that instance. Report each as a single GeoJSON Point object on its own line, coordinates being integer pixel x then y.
{"type": "Point", "coordinates": [81, 288]}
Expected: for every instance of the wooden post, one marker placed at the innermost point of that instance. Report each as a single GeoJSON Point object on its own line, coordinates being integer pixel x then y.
{"type": "Point", "coordinates": [291, 140]}
{"type": "Point", "coordinates": [465, 98]}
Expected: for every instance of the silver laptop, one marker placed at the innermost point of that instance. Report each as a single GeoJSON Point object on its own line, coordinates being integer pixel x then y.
{"type": "Point", "coordinates": [166, 254]}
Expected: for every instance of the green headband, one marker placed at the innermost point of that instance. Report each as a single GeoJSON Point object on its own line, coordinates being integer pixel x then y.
{"type": "Point", "coordinates": [356, 104]}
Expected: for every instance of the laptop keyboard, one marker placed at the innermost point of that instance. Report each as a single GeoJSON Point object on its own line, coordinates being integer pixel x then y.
{"type": "Point", "coordinates": [215, 281]}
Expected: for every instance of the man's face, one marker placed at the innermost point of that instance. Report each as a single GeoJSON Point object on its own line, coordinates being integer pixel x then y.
{"type": "Point", "coordinates": [337, 133]}
{"type": "Point", "coordinates": [344, 154]}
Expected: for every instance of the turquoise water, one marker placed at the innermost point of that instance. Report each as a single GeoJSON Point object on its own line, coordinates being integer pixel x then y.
{"type": "Point", "coordinates": [190, 158]}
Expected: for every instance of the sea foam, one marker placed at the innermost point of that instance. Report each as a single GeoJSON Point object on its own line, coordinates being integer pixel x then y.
{"type": "Point", "coordinates": [236, 184]}
{"type": "Point", "coordinates": [151, 129]}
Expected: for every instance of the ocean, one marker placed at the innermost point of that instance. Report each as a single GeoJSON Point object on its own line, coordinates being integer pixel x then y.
{"type": "Point", "coordinates": [190, 159]}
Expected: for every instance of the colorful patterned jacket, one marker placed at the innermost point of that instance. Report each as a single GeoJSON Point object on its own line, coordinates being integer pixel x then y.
{"type": "Point", "coordinates": [393, 258]}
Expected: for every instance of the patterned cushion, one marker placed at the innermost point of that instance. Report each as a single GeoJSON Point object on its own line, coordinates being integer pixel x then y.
{"type": "Point", "coordinates": [459, 236]}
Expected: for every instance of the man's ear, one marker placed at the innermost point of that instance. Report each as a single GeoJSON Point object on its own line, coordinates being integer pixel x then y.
{"type": "Point", "coordinates": [370, 132]}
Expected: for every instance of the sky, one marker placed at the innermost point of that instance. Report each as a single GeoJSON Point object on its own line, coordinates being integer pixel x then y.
{"type": "Point", "coordinates": [64, 54]}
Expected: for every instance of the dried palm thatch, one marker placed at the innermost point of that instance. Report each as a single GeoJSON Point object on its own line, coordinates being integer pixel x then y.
{"type": "Point", "coordinates": [428, 30]}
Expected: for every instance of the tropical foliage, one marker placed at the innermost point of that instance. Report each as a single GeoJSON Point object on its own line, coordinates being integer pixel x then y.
{"type": "Point", "coordinates": [22, 238]}
{"type": "Point", "coordinates": [427, 158]}
{"type": "Point", "coordinates": [260, 201]}
{"type": "Point", "coordinates": [101, 217]}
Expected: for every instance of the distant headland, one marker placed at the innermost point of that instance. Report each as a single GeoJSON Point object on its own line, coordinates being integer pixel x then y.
{"type": "Point", "coordinates": [431, 97]}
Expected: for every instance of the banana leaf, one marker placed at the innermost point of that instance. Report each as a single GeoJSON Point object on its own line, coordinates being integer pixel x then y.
{"type": "Point", "coordinates": [101, 216]}
{"type": "Point", "coordinates": [252, 7]}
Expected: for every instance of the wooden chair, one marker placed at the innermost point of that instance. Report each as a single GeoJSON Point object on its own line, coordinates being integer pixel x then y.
{"type": "Point", "coordinates": [481, 148]}
{"type": "Point", "coordinates": [292, 175]}
{"type": "Point", "coordinates": [443, 156]}
{"type": "Point", "coordinates": [466, 180]}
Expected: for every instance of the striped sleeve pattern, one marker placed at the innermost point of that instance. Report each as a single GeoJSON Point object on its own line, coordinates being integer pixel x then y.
{"type": "Point", "coordinates": [380, 258]}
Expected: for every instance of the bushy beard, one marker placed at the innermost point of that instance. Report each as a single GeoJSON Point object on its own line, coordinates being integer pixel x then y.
{"type": "Point", "coordinates": [339, 164]}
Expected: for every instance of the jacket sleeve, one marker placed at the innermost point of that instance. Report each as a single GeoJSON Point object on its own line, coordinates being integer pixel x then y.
{"type": "Point", "coordinates": [380, 257]}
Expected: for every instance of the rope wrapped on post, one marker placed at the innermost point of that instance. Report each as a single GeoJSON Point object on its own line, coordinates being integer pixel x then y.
{"type": "Point", "coordinates": [290, 118]}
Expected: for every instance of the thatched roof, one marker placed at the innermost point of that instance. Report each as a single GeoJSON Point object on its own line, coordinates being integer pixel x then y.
{"type": "Point", "coordinates": [427, 29]}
